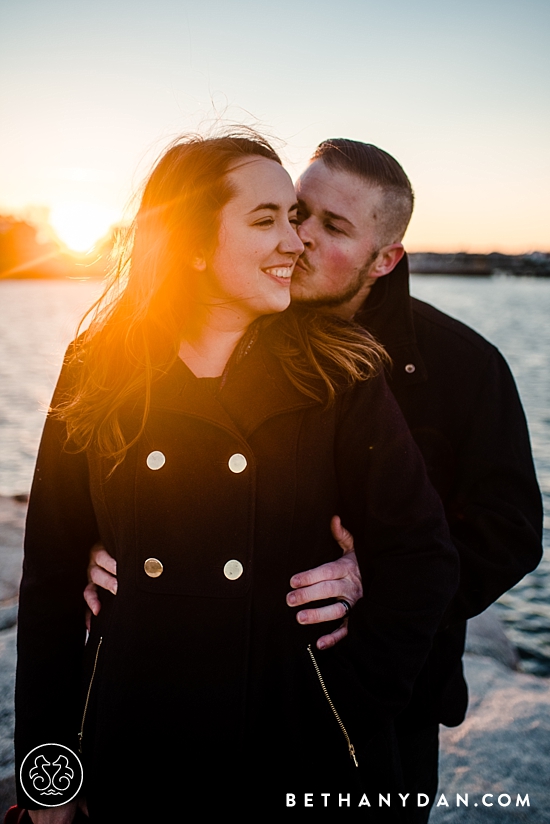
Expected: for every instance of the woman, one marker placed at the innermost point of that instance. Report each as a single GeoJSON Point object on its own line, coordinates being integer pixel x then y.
{"type": "Point", "coordinates": [207, 436]}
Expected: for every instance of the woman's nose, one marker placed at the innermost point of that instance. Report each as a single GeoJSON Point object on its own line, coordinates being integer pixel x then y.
{"type": "Point", "coordinates": [291, 242]}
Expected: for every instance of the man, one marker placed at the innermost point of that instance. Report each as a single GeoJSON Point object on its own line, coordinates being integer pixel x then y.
{"type": "Point", "coordinates": [461, 403]}
{"type": "Point", "coordinates": [456, 393]}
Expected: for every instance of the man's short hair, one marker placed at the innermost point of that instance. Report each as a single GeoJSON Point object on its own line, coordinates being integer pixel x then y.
{"type": "Point", "coordinates": [380, 169]}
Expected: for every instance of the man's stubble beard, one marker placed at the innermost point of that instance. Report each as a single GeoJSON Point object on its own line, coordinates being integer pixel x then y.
{"type": "Point", "coordinates": [332, 301]}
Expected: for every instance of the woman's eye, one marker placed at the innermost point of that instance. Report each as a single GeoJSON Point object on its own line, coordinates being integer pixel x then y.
{"type": "Point", "coordinates": [268, 221]}
{"type": "Point", "coordinates": [294, 220]}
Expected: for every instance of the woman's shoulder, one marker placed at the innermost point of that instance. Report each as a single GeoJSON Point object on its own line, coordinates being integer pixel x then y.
{"type": "Point", "coordinates": [71, 371]}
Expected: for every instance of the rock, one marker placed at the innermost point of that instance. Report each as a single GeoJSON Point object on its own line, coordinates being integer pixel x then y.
{"type": "Point", "coordinates": [12, 525]}
{"type": "Point", "coordinates": [8, 614]}
{"type": "Point", "coordinates": [503, 747]}
{"type": "Point", "coordinates": [485, 636]}
{"type": "Point", "coordinates": [7, 684]}
{"type": "Point", "coordinates": [7, 794]}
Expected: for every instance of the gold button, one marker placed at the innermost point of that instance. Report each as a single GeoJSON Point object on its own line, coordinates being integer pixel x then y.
{"type": "Point", "coordinates": [153, 567]}
{"type": "Point", "coordinates": [155, 460]}
{"type": "Point", "coordinates": [410, 368]}
{"type": "Point", "coordinates": [237, 463]}
{"type": "Point", "coordinates": [233, 570]}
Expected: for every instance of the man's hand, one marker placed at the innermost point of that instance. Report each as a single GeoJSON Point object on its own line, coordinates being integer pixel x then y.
{"type": "Point", "coordinates": [101, 573]}
{"type": "Point", "coordinates": [338, 579]}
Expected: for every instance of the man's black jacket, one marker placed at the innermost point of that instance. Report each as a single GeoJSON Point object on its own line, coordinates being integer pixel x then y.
{"type": "Point", "coordinates": [462, 406]}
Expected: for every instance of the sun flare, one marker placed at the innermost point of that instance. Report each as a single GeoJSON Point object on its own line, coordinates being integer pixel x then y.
{"type": "Point", "coordinates": [80, 224]}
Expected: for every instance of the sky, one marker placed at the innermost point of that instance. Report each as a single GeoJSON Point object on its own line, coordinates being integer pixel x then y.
{"type": "Point", "coordinates": [93, 90]}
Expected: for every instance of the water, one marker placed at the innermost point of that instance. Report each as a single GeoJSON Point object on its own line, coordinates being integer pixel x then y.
{"type": "Point", "coordinates": [38, 320]}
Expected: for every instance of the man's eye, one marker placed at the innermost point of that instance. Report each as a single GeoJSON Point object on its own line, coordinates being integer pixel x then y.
{"type": "Point", "coordinates": [332, 228]}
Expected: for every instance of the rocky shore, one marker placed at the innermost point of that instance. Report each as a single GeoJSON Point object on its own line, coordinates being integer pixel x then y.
{"type": "Point", "coordinates": [23, 254]}
{"type": "Point", "coordinates": [500, 754]}
{"type": "Point", "coordinates": [12, 521]}
{"type": "Point", "coordinates": [501, 749]}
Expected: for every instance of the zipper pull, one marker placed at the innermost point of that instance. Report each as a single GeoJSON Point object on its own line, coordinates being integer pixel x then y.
{"type": "Point", "coordinates": [352, 754]}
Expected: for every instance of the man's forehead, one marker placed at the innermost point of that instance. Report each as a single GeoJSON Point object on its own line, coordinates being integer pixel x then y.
{"type": "Point", "coordinates": [336, 190]}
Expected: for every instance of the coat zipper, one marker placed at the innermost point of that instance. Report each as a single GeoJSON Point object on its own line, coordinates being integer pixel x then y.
{"type": "Point", "coordinates": [81, 733]}
{"type": "Point", "coordinates": [351, 748]}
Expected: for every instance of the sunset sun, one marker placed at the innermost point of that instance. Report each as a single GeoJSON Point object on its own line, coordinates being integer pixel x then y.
{"type": "Point", "coordinates": [80, 224]}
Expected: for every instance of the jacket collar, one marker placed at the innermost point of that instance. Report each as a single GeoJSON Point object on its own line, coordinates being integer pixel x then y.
{"type": "Point", "coordinates": [256, 389]}
{"type": "Point", "coordinates": [387, 314]}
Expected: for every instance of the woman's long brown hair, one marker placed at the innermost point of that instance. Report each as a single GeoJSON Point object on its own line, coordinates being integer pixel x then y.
{"type": "Point", "coordinates": [138, 323]}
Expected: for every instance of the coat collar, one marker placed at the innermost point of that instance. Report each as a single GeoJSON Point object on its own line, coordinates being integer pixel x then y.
{"type": "Point", "coordinates": [256, 389]}
{"type": "Point", "coordinates": [387, 314]}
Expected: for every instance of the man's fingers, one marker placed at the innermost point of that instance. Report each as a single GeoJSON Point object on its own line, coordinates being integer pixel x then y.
{"type": "Point", "coordinates": [327, 572]}
{"type": "Point", "coordinates": [327, 641]}
{"type": "Point", "coordinates": [339, 579]}
{"type": "Point", "coordinates": [101, 573]}
{"type": "Point", "coordinates": [102, 579]}
{"type": "Point", "coordinates": [340, 534]}
{"type": "Point", "coordinates": [100, 557]}
{"type": "Point", "coordinates": [334, 569]}
{"type": "Point", "coordinates": [339, 588]}
{"type": "Point", "coordinates": [317, 616]}
{"type": "Point", "coordinates": [344, 581]}
{"type": "Point", "coordinates": [93, 602]}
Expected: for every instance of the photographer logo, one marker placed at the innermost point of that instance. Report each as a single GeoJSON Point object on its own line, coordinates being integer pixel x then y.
{"type": "Point", "coordinates": [51, 775]}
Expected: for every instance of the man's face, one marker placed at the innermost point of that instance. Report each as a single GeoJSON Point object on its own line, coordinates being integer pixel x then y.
{"type": "Point", "coordinates": [339, 218]}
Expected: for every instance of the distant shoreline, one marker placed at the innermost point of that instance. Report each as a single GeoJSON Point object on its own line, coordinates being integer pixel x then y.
{"type": "Point", "coordinates": [535, 264]}
{"type": "Point", "coordinates": [24, 255]}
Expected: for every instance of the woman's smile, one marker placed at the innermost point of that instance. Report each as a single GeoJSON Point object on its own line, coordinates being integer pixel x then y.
{"type": "Point", "coordinates": [282, 273]}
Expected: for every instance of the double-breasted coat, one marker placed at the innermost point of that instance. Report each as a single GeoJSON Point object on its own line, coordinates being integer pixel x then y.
{"type": "Point", "coordinates": [197, 666]}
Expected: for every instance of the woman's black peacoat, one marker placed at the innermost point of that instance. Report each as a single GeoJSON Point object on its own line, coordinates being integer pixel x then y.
{"type": "Point", "coordinates": [197, 667]}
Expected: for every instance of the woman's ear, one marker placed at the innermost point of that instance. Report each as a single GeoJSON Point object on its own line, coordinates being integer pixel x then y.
{"type": "Point", "coordinates": [198, 263]}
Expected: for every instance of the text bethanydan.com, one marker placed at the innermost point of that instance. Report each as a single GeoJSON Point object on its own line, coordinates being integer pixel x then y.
{"type": "Point", "coordinates": [348, 800]}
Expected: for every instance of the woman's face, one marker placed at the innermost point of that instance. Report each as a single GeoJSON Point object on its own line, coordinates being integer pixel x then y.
{"type": "Point", "coordinates": [250, 271]}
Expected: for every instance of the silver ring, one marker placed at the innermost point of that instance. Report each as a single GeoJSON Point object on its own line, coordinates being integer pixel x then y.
{"type": "Point", "coordinates": [345, 604]}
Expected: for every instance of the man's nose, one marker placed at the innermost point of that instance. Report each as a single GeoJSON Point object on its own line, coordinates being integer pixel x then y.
{"type": "Point", "coordinates": [304, 231]}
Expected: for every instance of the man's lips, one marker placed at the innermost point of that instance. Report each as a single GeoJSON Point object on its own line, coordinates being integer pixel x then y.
{"type": "Point", "coordinates": [301, 264]}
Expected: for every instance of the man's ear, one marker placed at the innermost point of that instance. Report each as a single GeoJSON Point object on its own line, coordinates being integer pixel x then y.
{"type": "Point", "coordinates": [387, 260]}
{"type": "Point", "coordinates": [198, 263]}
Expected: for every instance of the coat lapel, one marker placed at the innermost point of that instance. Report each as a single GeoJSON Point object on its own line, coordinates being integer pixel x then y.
{"type": "Point", "coordinates": [258, 389]}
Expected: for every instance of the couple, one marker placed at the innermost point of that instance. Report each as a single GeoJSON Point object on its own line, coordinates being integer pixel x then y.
{"type": "Point", "coordinates": [212, 477]}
